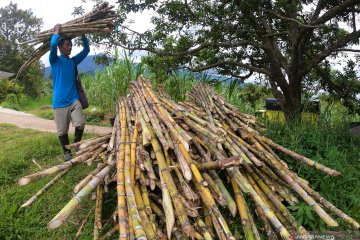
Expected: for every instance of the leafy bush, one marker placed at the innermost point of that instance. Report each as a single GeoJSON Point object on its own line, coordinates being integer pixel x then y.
{"type": "Point", "coordinates": [7, 87]}
{"type": "Point", "coordinates": [11, 101]}
{"type": "Point", "coordinates": [94, 115]}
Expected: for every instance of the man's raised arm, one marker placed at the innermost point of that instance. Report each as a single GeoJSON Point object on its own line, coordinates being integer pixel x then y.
{"type": "Point", "coordinates": [86, 49]}
{"type": "Point", "coordinates": [54, 43]}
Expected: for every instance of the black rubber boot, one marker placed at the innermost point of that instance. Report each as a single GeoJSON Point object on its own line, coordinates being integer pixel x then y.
{"type": "Point", "coordinates": [64, 140]}
{"type": "Point", "coordinates": [78, 135]}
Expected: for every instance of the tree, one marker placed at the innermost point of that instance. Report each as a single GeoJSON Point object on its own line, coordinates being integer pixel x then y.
{"type": "Point", "coordinates": [18, 26]}
{"type": "Point", "coordinates": [282, 40]}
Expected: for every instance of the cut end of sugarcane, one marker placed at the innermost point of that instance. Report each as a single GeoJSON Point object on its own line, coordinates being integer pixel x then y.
{"type": "Point", "coordinates": [187, 175]}
{"type": "Point", "coordinates": [332, 223]}
{"type": "Point", "coordinates": [284, 234]}
{"type": "Point", "coordinates": [170, 222]}
{"type": "Point", "coordinates": [55, 224]}
{"type": "Point", "coordinates": [28, 203]}
{"type": "Point", "coordinates": [23, 181]}
{"type": "Point", "coordinates": [336, 173]}
{"type": "Point", "coordinates": [356, 225]}
{"type": "Point", "coordinates": [233, 210]}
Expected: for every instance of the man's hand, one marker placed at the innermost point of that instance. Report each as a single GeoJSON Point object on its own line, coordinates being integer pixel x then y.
{"type": "Point", "coordinates": [57, 28]}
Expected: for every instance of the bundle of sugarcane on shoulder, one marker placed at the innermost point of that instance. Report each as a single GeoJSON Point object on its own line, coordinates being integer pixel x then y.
{"type": "Point", "coordinates": [100, 20]}
{"type": "Point", "coordinates": [168, 161]}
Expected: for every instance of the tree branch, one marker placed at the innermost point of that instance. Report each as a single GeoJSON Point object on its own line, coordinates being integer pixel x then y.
{"type": "Point", "coordinates": [334, 11]}
{"type": "Point", "coordinates": [317, 10]}
{"type": "Point", "coordinates": [189, 9]}
{"type": "Point", "coordinates": [192, 51]}
{"type": "Point", "coordinates": [242, 78]}
{"type": "Point", "coordinates": [332, 48]}
{"type": "Point", "coordinates": [291, 19]}
{"type": "Point", "coordinates": [233, 63]}
{"type": "Point", "coordinates": [347, 50]}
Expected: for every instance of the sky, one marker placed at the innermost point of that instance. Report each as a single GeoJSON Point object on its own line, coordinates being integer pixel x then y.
{"type": "Point", "coordinates": [59, 11]}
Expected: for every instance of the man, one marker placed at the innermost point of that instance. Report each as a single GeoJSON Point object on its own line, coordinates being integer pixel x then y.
{"type": "Point", "coordinates": [66, 102]}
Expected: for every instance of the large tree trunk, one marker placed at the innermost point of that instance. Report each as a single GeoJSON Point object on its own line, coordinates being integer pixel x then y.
{"type": "Point", "coordinates": [289, 97]}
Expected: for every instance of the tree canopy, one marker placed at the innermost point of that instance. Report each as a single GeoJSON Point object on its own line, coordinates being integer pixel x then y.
{"type": "Point", "coordinates": [17, 26]}
{"type": "Point", "coordinates": [289, 42]}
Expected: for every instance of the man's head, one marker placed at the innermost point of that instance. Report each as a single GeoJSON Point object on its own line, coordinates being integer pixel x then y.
{"type": "Point", "coordinates": [65, 46]}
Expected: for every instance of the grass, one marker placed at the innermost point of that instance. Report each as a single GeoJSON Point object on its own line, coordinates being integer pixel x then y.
{"type": "Point", "coordinates": [18, 148]}
{"type": "Point", "coordinates": [332, 145]}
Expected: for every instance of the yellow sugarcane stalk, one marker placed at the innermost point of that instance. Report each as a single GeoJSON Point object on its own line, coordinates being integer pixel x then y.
{"type": "Point", "coordinates": [122, 207]}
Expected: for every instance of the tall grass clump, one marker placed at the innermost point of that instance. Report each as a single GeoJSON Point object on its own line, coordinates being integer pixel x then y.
{"type": "Point", "coordinates": [178, 84]}
{"type": "Point", "coordinates": [106, 86]}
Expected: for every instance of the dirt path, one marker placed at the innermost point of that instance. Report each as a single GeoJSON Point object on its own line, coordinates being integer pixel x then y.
{"type": "Point", "coordinates": [26, 120]}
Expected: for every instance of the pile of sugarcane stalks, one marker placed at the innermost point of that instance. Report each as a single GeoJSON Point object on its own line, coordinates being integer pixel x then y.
{"type": "Point", "coordinates": [99, 20]}
{"type": "Point", "coordinates": [169, 159]}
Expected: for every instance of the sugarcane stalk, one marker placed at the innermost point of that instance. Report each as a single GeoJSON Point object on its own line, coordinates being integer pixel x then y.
{"type": "Point", "coordinates": [83, 182]}
{"type": "Point", "coordinates": [121, 192]}
{"type": "Point", "coordinates": [148, 166]}
{"type": "Point", "coordinates": [146, 200]}
{"type": "Point", "coordinates": [231, 205]}
{"type": "Point", "coordinates": [95, 141]}
{"type": "Point", "coordinates": [99, 206]}
{"type": "Point", "coordinates": [149, 230]}
{"type": "Point", "coordinates": [90, 148]}
{"type": "Point", "coordinates": [96, 232]}
{"type": "Point", "coordinates": [209, 201]}
{"type": "Point", "coordinates": [133, 153]}
{"type": "Point", "coordinates": [182, 136]}
{"type": "Point", "coordinates": [46, 187]}
{"type": "Point", "coordinates": [61, 217]}
{"type": "Point", "coordinates": [330, 206]}
{"type": "Point", "coordinates": [218, 229]}
{"type": "Point", "coordinates": [203, 229]}
{"type": "Point", "coordinates": [188, 192]}
{"type": "Point", "coordinates": [301, 158]}
{"type": "Point", "coordinates": [111, 232]}
{"type": "Point", "coordinates": [146, 138]}
{"type": "Point", "coordinates": [167, 206]}
{"type": "Point", "coordinates": [154, 122]}
{"type": "Point", "coordinates": [270, 205]}
{"type": "Point", "coordinates": [167, 179]}
{"type": "Point", "coordinates": [138, 226]}
{"type": "Point", "coordinates": [184, 165]}
{"type": "Point", "coordinates": [246, 187]}
{"type": "Point", "coordinates": [112, 140]}
{"type": "Point", "coordinates": [277, 204]}
{"type": "Point", "coordinates": [215, 189]}
{"type": "Point", "coordinates": [271, 235]}
{"type": "Point", "coordinates": [47, 172]}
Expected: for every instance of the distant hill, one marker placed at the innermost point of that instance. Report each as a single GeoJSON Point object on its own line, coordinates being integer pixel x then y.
{"type": "Point", "coordinates": [88, 66]}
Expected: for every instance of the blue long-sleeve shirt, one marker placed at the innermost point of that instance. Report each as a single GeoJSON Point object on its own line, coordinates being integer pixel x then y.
{"type": "Point", "coordinates": [63, 73]}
